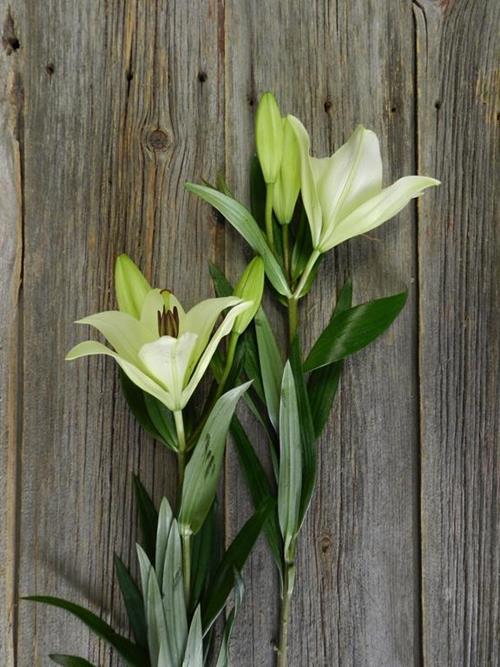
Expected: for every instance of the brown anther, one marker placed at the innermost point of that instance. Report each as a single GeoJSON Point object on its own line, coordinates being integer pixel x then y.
{"type": "Point", "coordinates": [168, 322]}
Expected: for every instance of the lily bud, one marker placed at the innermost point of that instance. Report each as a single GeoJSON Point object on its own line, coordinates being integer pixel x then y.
{"type": "Point", "coordinates": [131, 286]}
{"type": "Point", "coordinates": [269, 137]}
{"type": "Point", "coordinates": [287, 187]}
{"type": "Point", "coordinates": [249, 288]}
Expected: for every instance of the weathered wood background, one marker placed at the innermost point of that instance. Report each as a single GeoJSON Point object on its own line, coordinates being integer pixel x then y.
{"type": "Point", "coordinates": [106, 108]}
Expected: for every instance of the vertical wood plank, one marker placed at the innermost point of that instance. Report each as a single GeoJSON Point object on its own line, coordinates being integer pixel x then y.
{"type": "Point", "coordinates": [116, 119]}
{"type": "Point", "coordinates": [459, 341]}
{"type": "Point", "coordinates": [11, 250]}
{"type": "Point", "coordinates": [357, 595]}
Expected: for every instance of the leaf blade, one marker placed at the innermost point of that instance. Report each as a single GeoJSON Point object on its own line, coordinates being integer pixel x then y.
{"type": "Point", "coordinates": [353, 329]}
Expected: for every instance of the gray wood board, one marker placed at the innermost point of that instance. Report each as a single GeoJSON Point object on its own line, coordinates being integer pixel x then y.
{"type": "Point", "coordinates": [106, 109]}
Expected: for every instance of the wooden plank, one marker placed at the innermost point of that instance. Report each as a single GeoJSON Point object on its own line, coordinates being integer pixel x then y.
{"type": "Point", "coordinates": [116, 118]}
{"type": "Point", "coordinates": [459, 340]}
{"type": "Point", "coordinates": [11, 99]}
{"type": "Point", "coordinates": [357, 597]}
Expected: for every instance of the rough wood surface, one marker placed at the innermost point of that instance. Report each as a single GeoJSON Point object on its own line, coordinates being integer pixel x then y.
{"type": "Point", "coordinates": [106, 108]}
{"type": "Point", "coordinates": [458, 106]}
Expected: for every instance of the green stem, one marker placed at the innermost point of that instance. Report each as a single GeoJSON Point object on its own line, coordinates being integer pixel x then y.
{"type": "Point", "coordinates": [186, 566]}
{"type": "Point", "coordinates": [286, 251]}
{"type": "Point", "coordinates": [307, 271]}
{"type": "Point", "coordinates": [269, 215]}
{"type": "Point", "coordinates": [181, 452]}
{"type": "Point", "coordinates": [293, 318]}
{"type": "Point", "coordinates": [288, 580]}
{"type": "Point", "coordinates": [231, 349]}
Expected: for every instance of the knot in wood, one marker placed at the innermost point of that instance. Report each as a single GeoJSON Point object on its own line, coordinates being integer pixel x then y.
{"type": "Point", "coordinates": [158, 140]}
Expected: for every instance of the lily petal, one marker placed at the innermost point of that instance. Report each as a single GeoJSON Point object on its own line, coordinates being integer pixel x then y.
{"type": "Point", "coordinates": [130, 285]}
{"type": "Point", "coordinates": [224, 329]}
{"type": "Point", "coordinates": [310, 197]}
{"type": "Point", "coordinates": [153, 304]}
{"type": "Point", "coordinates": [168, 359]}
{"type": "Point", "coordinates": [92, 347]}
{"type": "Point", "coordinates": [126, 334]}
{"type": "Point", "coordinates": [378, 209]}
{"type": "Point", "coordinates": [349, 177]}
{"type": "Point", "coordinates": [201, 320]}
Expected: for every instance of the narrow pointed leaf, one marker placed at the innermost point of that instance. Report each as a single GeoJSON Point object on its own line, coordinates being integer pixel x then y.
{"type": "Point", "coordinates": [233, 561]}
{"type": "Point", "coordinates": [353, 329]}
{"type": "Point", "coordinates": [148, 518]}
{"type": "Point", "coordinates": [257, 192]}
{"type": "Point", "coordinates": [135, 398]}
{"type": "Point", "coordinates": [134, 604]}
{"type": "Point", "coordinates": [69, 660]}
{"type": "Point", "coordinates": [223, 657]}
{"type": "Point", "coordinates": [203, 555]}
{"type": "Point", "coordinates": [242, 220]}
{"type": "Point", "coordinates": [259, 487]}
{"type": "Point", "coordinates": [323, 382]}
{"type": "Point", "coordinates": [162, 420]}
{"type": "Point", "coordinates": [193, 656]}
{"type": "Point", "coordinates": [202, 471]}
{"type": "Point", "coordinates": [174, 605]}
{"type": "Point", "coordinates": [271, 365]}
{"type": "Point", "coordinates": [132, 655]}
{"type": "Point", "coordinates": [290, 465]}
{"type": "Point", "coordinates": [307, 433]}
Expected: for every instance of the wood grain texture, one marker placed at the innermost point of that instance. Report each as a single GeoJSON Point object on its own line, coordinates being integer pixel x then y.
{"type": "Point", "coordinates": [106, 108]}
{"type": "Point", "coordinates": [108, 144]}
{"type": "Point", "coordinates": [11, 236]}
{"type": "Point", "coordinates": [356, 600]}
{"type": "Point", "coordinates": [458, 104]}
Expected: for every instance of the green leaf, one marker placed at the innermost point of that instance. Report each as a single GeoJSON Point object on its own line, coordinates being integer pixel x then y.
{"type": "Point", "coordinates": [302, 247]}
{"type": "Point", "coordinates": [193, 656]}
{"type": "Point", "coordinates": [290, 469]}
{"type": "Point", "coordinates": [353, 329]}
{"type": "Point", "coordinates": [203, 555]}
{"type": "Point", "coordinates": [136, 402]}
{"type": "Point", "coordinates": [148, 518]}
{"type": "Point", "coordinates": [134, 604]}
{"type": "Point", "coordinates": [271, 365]}
{"type": "Point", "coordinates": [172, 589]}
{"type": "Point", "coordinates": [241, 219]}
{"type": "Point", "coordinates": [233, 561]}
{"type": "Point", "coordinates": [132, 654]}
{"type": "Point", "coordinates": [259, 487]}
{"type": "Point", "coordinates": [257, 192]}
{"type": "Point", "coordinates": [323, 382]}
{"type": "Point", "coordinates": [202, 471]}
{"type": "Point", "coordinates": [162, 420]}
{"type": "Point", "coordinates": [307, 434]}
{"type": "Point", "coordinates": [69, 660]}
{"type": "Point", "coordinates": [223, 658]}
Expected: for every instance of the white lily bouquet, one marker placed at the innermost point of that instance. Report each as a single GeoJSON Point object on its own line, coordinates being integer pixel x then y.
{"type": "Point", "coordinates": [301, 207]}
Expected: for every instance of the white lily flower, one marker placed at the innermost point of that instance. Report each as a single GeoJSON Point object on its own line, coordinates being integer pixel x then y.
{"type": "Point", "coordinates": [343, 195]}
{"type": "Point", "coordinates": [166, 351]}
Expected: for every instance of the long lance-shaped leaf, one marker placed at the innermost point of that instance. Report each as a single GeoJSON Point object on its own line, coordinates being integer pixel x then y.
{"type": "Point", "coordinates": [223, 658]}
{"type": "Point", "coordinates": [259, 487]}
{"type": "Point", "coordinates": [290, 467]}
{"type": "Point", "coordinates": [69, 660]}
{"type": "Point", "coordinates": [242, 220]}
{"type": "Point", "coordinates": [307, 434]}
{"type": "Point", "coordinates": [233, 561]}
{"type": "Point", "coordinates": [162, 420]}
{"type": "Point", "coordinates": [353, 329]}
{"type": "Point", "coordinates": [323, 382]}
{"type": "Point", "coordinates": [131, 653]}
{"type": "Point", "coordinates": [257, 192]}
{"type": "Point", "coordinates": [271, 365]}
{"type": "Point", "coordinates": [193, 656]}
{"type": "Point", "coordinates": [133, 601]}
{"type": "Point", "coordinates": [174, 605]}
{"type": "Point", "coordinates": [136, 402]}
{"type": "Point", "coordinates": [148, 518]}
{"type": "Point", "coordinates": [202, 471]}
{"type": "Point", "coordinates": [203, 555]}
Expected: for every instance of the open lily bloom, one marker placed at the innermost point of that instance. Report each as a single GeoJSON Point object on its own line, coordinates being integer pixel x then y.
{"type": "Point", "coordinates": [343, 195]}
{"type": "Point", "coordinates": [166, 351]}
